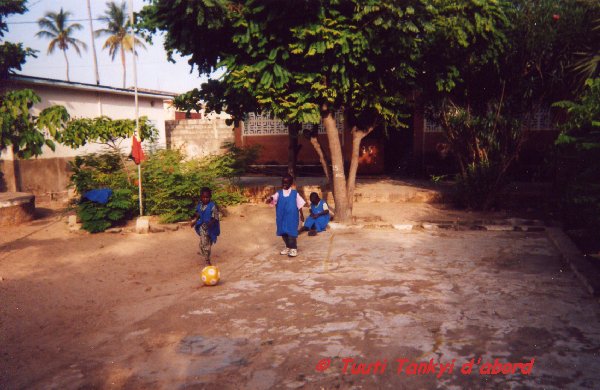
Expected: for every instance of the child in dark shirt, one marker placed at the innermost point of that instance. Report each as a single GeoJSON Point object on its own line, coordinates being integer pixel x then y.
{"type": "Point", "coordinates": [206, 223]}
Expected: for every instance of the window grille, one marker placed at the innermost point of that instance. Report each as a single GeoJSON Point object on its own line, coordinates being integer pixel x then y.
{"type": "Point", "coordinates": [267, 124]}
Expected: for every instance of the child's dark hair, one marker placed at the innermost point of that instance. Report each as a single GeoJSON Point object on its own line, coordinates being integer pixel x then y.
{"type": "Point", "coordinates": [289, 177]}
{"type": "Point", "coordinates": [205, 190]}
{"type": "Point", "coordinates": [313, 194]}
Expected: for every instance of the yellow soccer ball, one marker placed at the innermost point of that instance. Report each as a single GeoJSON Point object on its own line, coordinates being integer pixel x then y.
{"type": "Point", "coordinates": [211, 275]}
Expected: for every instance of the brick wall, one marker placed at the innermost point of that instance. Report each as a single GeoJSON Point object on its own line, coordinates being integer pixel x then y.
{"type": "Point", "coordinates": [274, 150]}
{"type": "Point", "coordinates": [198, 137]}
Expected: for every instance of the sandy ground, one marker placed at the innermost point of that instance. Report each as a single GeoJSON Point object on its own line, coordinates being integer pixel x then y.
{"type": "Point", "coordinates": [128, 311]}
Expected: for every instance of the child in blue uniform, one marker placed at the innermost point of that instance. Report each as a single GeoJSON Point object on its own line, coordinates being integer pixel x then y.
{"type": "Point", "coordinates": [319, 215]}
{"type": "Point", "coordinates": [288, 211]}
{"type": "Point", "coordinates": [206, 223]}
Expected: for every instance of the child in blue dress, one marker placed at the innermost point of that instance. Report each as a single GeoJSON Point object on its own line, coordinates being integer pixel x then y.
{"type": "Point", "coordinates": [206, 223]}
{"type": "Point", "coordinates": [319, 215]}
{"type": "Point", "coordinates": [288, 211]}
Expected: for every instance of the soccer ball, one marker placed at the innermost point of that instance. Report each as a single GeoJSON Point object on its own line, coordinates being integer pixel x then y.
{"type": "Point", "coordinates": [210, 275]}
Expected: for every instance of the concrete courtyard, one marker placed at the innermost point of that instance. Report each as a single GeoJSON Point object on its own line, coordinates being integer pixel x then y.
{"type": "Point", "coordinates": [128, 311]}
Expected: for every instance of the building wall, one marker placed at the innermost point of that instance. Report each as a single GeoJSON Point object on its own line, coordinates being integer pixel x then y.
{"type": "Point", "coordinates": [48, 174]}
{"type": "Point", "coordinates": [274, 150]}
{"type": "Point", "coordinates": [91, 104]}
{"type": "Point", "coordinates": [199, 137]}
{"type": "Point", "coordinates": [432, 155]}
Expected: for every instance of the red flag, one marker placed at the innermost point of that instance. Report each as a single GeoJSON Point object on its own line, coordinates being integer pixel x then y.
{"type": "Point", "coordinates": [136, 151]}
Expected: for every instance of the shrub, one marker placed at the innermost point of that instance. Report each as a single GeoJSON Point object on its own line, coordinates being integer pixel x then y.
{"type": "Point", "coordinates": [96, 217]}
{"type": "Point", "coordinates": [242, 157]}
{"type": "Point", "coordinates": [98, 170]}
{"type": "Point", "coordinates": [579, 155]}
{"type": "Point", "coordinates": [485, 147]}
{"type": "Point", "coordinates": [172, 185]}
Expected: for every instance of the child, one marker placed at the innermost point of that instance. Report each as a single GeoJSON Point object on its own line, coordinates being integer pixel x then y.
{"type": "Point", "coordinates": [288, 208]}
{"type": "Point", "coordinates": [319, 215]}
{"type": "Point", "coordinates": [206, 223]}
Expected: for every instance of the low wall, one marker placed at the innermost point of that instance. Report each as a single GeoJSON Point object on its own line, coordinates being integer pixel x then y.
{"type": "Point", "coordinates": [16, 208]}
{"type": "Point", "coordinates": [198, 137]}
{"type": "Point", "coordinates": [44, 177]}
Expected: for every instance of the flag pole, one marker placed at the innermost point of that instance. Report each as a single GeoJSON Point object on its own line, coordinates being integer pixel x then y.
{"type": "Point", "coordinates": [137, 108]}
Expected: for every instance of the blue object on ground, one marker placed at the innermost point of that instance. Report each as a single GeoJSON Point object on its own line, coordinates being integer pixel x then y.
{"type": "Point", "coordinates": [101, 195]}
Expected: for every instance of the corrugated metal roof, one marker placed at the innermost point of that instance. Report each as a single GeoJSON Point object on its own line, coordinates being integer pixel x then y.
{"type": "Point", "coordinates": [23, 79]}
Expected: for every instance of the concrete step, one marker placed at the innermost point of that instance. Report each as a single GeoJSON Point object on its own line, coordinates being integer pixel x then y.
{"type": "Point", "coordinates": [367, 191]}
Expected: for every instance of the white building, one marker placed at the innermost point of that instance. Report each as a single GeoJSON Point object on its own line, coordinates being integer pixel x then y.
{"type": "Point", "coordinates": [49, 173]}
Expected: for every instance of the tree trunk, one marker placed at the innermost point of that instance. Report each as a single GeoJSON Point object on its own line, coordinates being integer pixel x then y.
{"type": "Point", "coordinates": [357, 136]}
{"type": "Point", "coordinates": [313, 136]}
{"type": "Point", "coordinates": [67, 61]}
{"type": "Point", "coordinates": [314, 140]}
{"type": "Point", "coordinates": [293, 148]}
{"type": "Point", "coordinates": [124, 67]}
{"type": "Point", "coordinates": [340, 196]}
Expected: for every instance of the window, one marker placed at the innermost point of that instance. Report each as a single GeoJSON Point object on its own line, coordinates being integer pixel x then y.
{"type": "Point", "coordinates": [265, 124]}
{"type": "Point", "coordinates": [539, 120]}
{"type": "Point", "coordinates": [430, 126]}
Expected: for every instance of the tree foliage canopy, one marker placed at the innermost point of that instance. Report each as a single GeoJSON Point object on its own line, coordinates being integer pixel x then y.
{"type": "Point", "coordinates": [27, 134]}
{"type": "Point", "coordinates": [117, 24]}
{"type": "Point", "coordinates": [23, 132]}
{"type": "Point", "coordinates": [54, 26]}
{"type": "Point", "coordinates": [293, 57]}
{"type": "Point", "coordinates": [12, 55]}
{"type": "Point", "coordinates": [81, 131]}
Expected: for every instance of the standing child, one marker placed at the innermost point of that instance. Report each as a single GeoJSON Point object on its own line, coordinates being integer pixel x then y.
{"type": "Point", "coordinates": [206, 223]}
{"type": "Point", "coordinates": [288, 209]}
{"type": "Point", "coordinates": [319, 215]}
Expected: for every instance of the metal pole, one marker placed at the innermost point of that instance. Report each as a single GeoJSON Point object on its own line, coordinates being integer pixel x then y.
{"type": "Point", "coordinates": [137, 107]}
{"type": "Point", "coordinates": [93, 44]}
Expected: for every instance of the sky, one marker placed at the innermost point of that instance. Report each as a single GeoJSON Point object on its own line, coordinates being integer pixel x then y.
{"type": "Point", "coordinates": [154, 71]}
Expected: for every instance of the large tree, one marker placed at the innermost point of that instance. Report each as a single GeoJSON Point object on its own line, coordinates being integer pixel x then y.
{"type": "Point", "coordinates": [305, 60]}
{"type": "Point", "coordinates": [118, 39]}
{"type": "Point", "coordinates": [12, 55]}
{"type": "Point", "coordinates": [500, 79]}
{"type": "Point", "coordinates": [55, 27]}
{"type": "Point", "coordinates": [19, 130]}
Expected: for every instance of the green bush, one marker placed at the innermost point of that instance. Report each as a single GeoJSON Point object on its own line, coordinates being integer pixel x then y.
{"type": "Point", "coordinates": [172, 185]}
{"type": "Point", "coordinates": [96, 217]}
{"type": "Point", "coordinates": [485, 147]}
{"type": "Point", "coordinates": [98, 170]}
{"type": "Point", "coordinates": [242, 157]}
{"type": "Point", "coordinates": [477, 187]}
{"type": "Point", "coordinates": [578, 146]}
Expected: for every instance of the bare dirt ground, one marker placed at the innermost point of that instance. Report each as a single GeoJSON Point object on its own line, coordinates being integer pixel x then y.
{"type": "Point", "coordinates": [128, 311]}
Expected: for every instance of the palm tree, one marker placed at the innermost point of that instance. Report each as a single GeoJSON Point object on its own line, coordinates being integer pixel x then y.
{"type": "Point", "coordinates": [116, 30]}
{"type": "Point", "coordinates": [54, 26]}
{"type": "Point", "coordinates": [587, 64]}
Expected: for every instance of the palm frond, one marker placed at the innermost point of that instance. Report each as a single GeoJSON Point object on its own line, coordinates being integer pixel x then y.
{"type": "Point", "coordinates": [52, 46]}
{"type": "Point", "coordinates": [76, 43]}
{"type": "Point", "coordinates": [115, 18]}
{"type": "Point", "coordinates": [102, 31]}
{"type": "Point", "coordinates": [54, 26]}
{"type": "Point", "coordinates": [128, 43]}
{"type": "Point", "coordinates": [48, 24]}
{"type": "Point", "coordinates": [45, 34]}
{"type": "Point", "coordinates": [74, 27]}
{"type": "Point", "coordinates": [112, 44]}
